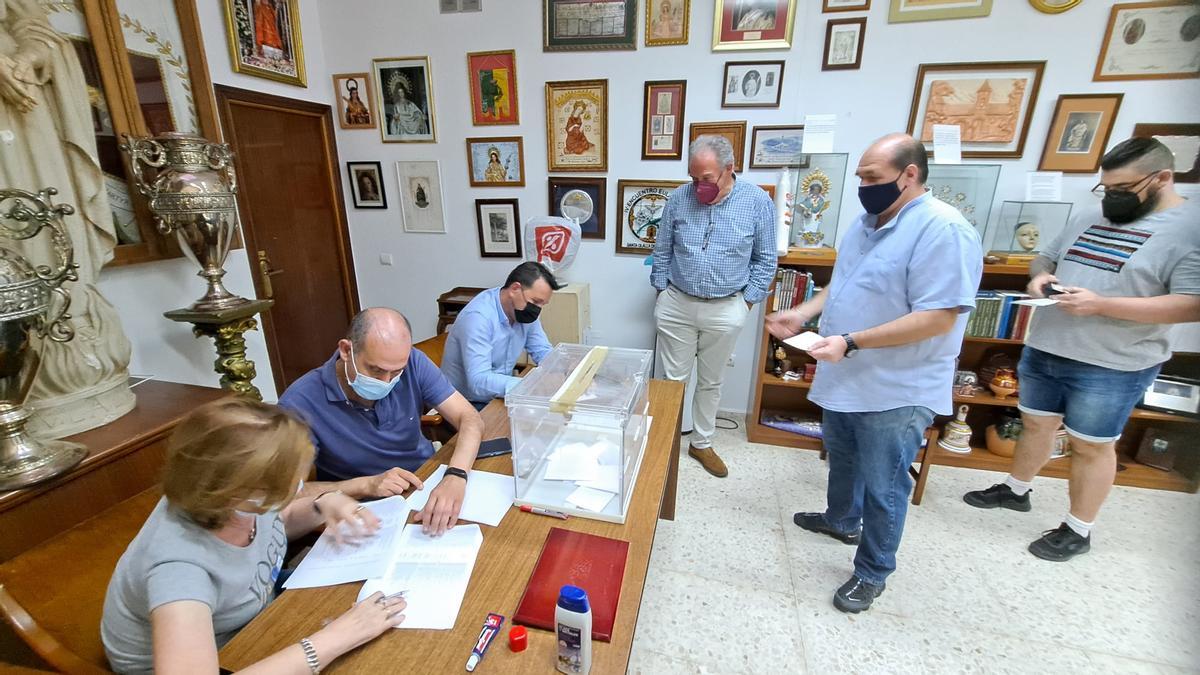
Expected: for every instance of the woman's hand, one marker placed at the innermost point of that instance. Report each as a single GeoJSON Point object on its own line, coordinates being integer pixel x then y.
{"type": "Point", "coordinates": [344, 513]}
{"type": "Point", "coordinates": [364, 622]}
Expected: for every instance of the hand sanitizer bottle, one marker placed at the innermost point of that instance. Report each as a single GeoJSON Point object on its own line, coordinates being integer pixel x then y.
{"type": "Point", "coordinates": [573, 628]}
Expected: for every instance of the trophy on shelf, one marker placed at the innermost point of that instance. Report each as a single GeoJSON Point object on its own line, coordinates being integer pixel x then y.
{"type": "Point", "coordinates": [33, 308]}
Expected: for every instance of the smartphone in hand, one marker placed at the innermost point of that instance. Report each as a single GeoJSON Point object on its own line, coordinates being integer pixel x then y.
{"type": "Point", "coordinates": [1052, 289]}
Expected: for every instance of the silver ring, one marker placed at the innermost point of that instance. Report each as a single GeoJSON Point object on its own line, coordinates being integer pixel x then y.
{"type": "Point", "coordinates": [360, 508]}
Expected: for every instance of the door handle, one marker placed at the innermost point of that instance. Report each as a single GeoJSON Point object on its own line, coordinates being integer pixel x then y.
{"type": "Point", "coordinates": [265, 273]}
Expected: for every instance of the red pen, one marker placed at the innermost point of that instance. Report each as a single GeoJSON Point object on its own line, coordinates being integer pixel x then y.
{"type": "Point", "coordinates": [544, 512]}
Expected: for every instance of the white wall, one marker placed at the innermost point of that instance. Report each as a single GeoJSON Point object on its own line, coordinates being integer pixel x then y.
{"type": "Point", "coordinates": [141, 293]}
{"type": "Point", "coordinates": [869, 103]}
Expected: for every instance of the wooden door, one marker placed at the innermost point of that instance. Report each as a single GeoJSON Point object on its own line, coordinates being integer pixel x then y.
{"type": "Point", "coordinates": [293, 223]}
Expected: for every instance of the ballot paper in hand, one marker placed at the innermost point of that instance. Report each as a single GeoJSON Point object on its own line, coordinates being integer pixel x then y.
{"type": "Point", "coordinates": [356, 558]}
{"type": "Point", "coordinates": [489, 496]}
{"type": "Point", "coordinates": [803, 341]}
{"type": "Point", "coordinates": [1036, 302]}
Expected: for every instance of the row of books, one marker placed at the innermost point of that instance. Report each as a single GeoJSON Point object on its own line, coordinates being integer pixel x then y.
{"type": "Point", "coordinates": [792, 287]}
{"type": "Point", "coordinates": [997, 316]}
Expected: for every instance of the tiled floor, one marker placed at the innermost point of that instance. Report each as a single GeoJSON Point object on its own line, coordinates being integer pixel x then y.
{"type": "Point", "coordinates": [735, 587]}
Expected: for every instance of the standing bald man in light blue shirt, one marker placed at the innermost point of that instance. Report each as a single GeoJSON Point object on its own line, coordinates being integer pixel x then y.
{"type": "Point", "coordinates": [893, 318]}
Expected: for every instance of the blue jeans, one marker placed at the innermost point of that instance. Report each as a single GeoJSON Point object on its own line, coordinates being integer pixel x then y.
{"type": "Point", "coordinates": [869, 456]}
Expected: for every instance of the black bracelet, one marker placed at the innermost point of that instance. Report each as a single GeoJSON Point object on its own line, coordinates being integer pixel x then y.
{"type": "Point", "coordinates": [455, 471]}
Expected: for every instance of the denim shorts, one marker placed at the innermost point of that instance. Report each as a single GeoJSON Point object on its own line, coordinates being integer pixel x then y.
{"type": "Point", "coordinates": [1093, 401]}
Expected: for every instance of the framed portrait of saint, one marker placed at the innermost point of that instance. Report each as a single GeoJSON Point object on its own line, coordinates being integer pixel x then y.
{"type": "Point", "coordinates": [752, 84]}
{"type": "Point", "coordinates": [492, 77]}
{"type": "Point", "coordinates": [264, 39]}
{"type": "Point", "coordinates": [1079, 132]}
{"type": "Point", "coordinates": [753, 24]}
{"type": "Point", "coordinates": [404, 92]}
{"type": "Point", "coordinates": [581, 199]}
{"type": "Point", "coordinates": [584, 25]}
{"type": "Point", "coordinates": [844, 44]}
{"type": "Point", "coordinates": [366, 185]}
{"type": "Point", "coordinates": [577, 125]}
{"type": "Point", "coordinates": [992, 102]}
{"type": "Point", "coordinates": [354, 105]}
{"type": "Point", "coordinates": [496, 162]}
{"type": "Point", "coordinates": [662, 119]}
{"type": "Point", "coordinates": [642, 204]}
{"type": "Point", "coordinates": [421, 196]}
{"type": "Point", "coordinates": [667, 22]}
{"type": "Point", "coordinates": [1150, 41]}
{"type": "Point", "coordinates": [499, 222]}
{"type": "Point", "coordinates": [735, 132]}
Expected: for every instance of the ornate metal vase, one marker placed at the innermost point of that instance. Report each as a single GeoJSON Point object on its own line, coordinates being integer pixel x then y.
{"type": "Point", "coordinates": [33, 308]}
{"type": "Point", "coordinates": [190, 183]}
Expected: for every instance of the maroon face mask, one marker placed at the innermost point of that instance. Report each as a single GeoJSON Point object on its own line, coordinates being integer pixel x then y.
{"type": "Point", "coordinates": [706, 193]}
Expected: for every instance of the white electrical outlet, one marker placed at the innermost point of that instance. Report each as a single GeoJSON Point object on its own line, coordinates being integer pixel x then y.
{"type": "Point", "coordinates": [385, 258]}
{"type": "Point", "coordinates": [730, 362]}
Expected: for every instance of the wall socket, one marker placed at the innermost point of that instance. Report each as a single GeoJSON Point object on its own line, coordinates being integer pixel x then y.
{"type": "Point", "coordinates": [730, 362]}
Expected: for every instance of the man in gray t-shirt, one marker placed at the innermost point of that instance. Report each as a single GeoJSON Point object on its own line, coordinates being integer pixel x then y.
{"type": "Point", "coordinates": [1121, 277]}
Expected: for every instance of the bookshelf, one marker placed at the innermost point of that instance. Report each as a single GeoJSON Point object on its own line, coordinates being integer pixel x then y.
{"type": "Point", "coordinates": [774, 394]}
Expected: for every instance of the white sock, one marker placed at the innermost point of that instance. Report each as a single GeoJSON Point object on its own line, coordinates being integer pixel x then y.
{"type": "Point", "coordinates": [1019, 487]}
{"type": "Point", "coordinates": [1081, 528]}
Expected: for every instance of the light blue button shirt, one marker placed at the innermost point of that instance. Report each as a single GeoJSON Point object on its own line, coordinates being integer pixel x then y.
{"type": "Point", "coordinates": [927, 257]}
{"type": "Point", "coordinates": [483, 348]}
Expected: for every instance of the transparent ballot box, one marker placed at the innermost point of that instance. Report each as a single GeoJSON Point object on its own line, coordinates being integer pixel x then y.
{"type": "Point", "coordinates": [579, 424]}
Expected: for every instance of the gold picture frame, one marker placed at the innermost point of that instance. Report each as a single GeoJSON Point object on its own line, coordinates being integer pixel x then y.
{"type": "Point", "coordinates": [1053, 6]}
{"type": "Point", "coordinates": [359, 96]}
{"type": "Point", "coordinates": [577, 125]}
{"type": "Point", "coordinates": [241, 16]}
{"type": "Point", "coordinates": [901, 11]}
{"type": "Point", "coordinates": [411, 76]}
{"type": "Point", "coordinates": [496, 161]}
{"type": "Point", "coordinates": [665, 31]}
{"type": "Point", "coordinates": [742, 25]}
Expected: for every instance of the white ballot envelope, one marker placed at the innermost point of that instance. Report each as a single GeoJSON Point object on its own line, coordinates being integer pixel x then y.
{"type": "Point", "coordinates": [803, 341]}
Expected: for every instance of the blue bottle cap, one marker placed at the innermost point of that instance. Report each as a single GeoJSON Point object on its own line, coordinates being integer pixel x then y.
{"type": "Point", "coordinates": [573, 598]}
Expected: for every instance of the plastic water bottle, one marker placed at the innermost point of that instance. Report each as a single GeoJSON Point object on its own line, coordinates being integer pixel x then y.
{"type": "Point", "coordinates": [573, 627]}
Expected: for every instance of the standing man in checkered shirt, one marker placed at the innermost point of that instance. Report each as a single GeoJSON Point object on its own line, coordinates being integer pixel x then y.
{"type": "Point", "coordinates": [714, 258]}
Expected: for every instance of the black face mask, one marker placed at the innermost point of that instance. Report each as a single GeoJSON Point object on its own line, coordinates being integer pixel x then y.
{"type": "Point", "coordinates": [1123, 206]}
{"type": "Point", "coordinates": [527, 314]}
{"type": "Point", "coordinates": [877, 198]}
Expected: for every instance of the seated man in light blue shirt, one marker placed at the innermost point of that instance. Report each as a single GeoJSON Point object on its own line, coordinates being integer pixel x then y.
{"type": "Point", "coordinates": [492, 331]}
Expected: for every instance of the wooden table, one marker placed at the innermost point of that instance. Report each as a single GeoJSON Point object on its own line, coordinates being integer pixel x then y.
{"type": "Point", "coordinates": [502, 570]}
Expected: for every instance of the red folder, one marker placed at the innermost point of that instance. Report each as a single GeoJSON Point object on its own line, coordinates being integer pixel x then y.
{"type": "Point", "coordinates": [595, 564]}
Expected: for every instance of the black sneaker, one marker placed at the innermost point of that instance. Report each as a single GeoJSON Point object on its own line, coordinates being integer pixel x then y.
{"type": "Point", "coordinates": [999, 495]}
{"type": "Point", "coordinates": [856, 595]}
{"type": "Point", "coordinates": [1060, 545]}
{"type": "Point", "coordinates": [815, 522]}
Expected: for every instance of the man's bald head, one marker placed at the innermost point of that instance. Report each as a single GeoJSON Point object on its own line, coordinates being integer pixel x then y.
{"type": "Point", "coordinates": [378, 323]}
{"type": "Point", "coordinates": [901, 150]}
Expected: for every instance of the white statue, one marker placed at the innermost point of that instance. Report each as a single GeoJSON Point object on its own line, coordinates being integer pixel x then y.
{"type": "Point", "coordinates": [47, 139]}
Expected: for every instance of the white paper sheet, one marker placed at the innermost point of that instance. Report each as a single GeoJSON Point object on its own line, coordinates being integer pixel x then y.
{"type": "Point", "coordinates": [818, 133]}
{"type": "Point", "coordinates": [590, 499]}
{"type": "Point", "coordinates": [608, 479]}
{"type": "Point", "coordinates": [433, 573]}
{"type": "Point", "coordinates": [947, 144]}
{"type": "Point", "coordinates": [328, 563]}
{"type": "Point", "coordinates": [1037, 302]}
{"type": "Point", "coordinates": [489, 496]}
{"type": "Point", "coordinates": [574, 461]}
{"type": "Point", "coordinates": [1043, 186]}
{"type": "Point", "coordinates": [803, 341]}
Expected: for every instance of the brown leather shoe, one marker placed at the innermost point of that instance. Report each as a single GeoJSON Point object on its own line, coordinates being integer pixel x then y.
{"type": "Point", "coordinates": [709, 459]}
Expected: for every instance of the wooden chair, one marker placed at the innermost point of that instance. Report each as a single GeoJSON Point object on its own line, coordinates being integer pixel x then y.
{"type": "Point", "coordinates": [920, 470]}
{"type": "Point", "coordinates": [434, 425]}
{"type": "Point", "coordinates": [52, 596]}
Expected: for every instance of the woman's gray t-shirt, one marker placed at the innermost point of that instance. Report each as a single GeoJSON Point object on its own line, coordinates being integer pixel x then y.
{"type": "Point", "coordinates": [174, 559]}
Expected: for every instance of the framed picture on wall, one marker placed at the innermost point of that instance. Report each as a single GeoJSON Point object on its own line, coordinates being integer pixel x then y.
{"type": "Point", "coordinates": [992, 102]}
{"type": "Point", "coordinates": [662, 119]}
{"type": "Point", "coordinates": [264, 39]}
{"type": "Point", "coordinates": [404, 89]}
{"type": "Point", "coordinates": [667, 22]}
{"type": "Point", "coordinates": [1079, 132]}
{"type": "Point", "coordinates": [777, 146]}
{"type": "Point", "coordinates": [642, 203]}
{"type": "Point", "coordinates": [1184, 142]}
{"type": "Point", "coordinates": [354, 103]}
{"type": "Point", "coordinates": [1150, 41]}
{"type": "Point", "coordinates": [571, 25]}
{"type": "Point", "coordinates": [577, 125]}
{"type": "Point", "coordinates": [752, 84]}
{"type": "Point", "coordinates": [499, 223]}
{"type": "Point", "coordinates": [753, 24]}
{"type": "Point", "coordinates": [492, 77]}
{"type": "Point", "coordinates": [366, 185]}
{"type": "Point", "coordinates": [931, 10]}
{"type": "Point", "coordinates": [580, 199]}
{"type": "Point", "coordinates": [421, 196]}
{"type": "Point", "coordinates": [844, 44]}
{"type": "Point", "coordinates": [828, 6]}
{"type": "Point", "coordinates": [735, 132]}
{"type": "Point", "coordinates": [496, 162]}
{"type": "Point", "coordinates": [970, 188]}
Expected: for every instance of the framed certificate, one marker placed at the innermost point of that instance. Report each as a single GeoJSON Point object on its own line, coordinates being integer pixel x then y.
{"type": "Point", "coordinates": [1150, 41]}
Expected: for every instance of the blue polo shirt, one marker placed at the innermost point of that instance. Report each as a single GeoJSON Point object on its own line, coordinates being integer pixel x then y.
{"type": "Point", "coordinates": [927, 257]}
{"type": "Point", "coordinates": [354, 441]}
{"type": "Point", "coordinates": [483, 348]}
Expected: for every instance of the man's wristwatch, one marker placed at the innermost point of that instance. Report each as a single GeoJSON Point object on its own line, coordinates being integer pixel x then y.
{"type": "Point", "coordinates": [851, 345]}
{"type": "Point", "coordinates": [455, 471]}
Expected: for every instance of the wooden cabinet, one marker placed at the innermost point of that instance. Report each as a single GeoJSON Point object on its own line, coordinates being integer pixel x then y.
{"type": "Point", "coordinates": [451, 302]}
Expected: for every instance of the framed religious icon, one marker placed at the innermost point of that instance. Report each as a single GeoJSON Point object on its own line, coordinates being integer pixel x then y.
{"type": "Point", "coordinates": [1024, 229]}
{"type": "Point", "coordinates": [496, 162]}
{"type": "Point", "coordinates": [828, 6]}
{"type": "Point", "coordinates": [662, 119]}
{"type": "Point", "coordinates": [366, 185]}
{"type": "Point", "coordinates": [776, 147]}
{"type": "Point", "coordinates": [930, 10]}
{"type": "Point", "coordinates": [1150, 41]}
{"type": "Point", "coordinates": [421, 196]}
{"type": "Point", "coordinates": [1053, 6]}
{"type": "Point", "coordinates": [753, 24]}
{"type": "Point", "coordinates": [577, 125]}
{"type": "Point", "coordinates": [1079, 132]}
{"type": "Point", "coordinates": [844, 44]}
{"type": "Point", "coordinates": [492, 77]}
{"type": "Point", "coordinates": [582, 25]}
{"type": "Point", "coordinates": [818, 187]}
{"type": "Point", "coordinates": [991, 102]}
{"type": "Point", "coordinates": [642, 203]}
{"type": "Point", "coordinates": [499, 222]}
{"type": "Point", "coordinates": [264, 39]}
{"type": "Point", "coordinates": [667, 22]}
{"type": "Point", "coordinates": [752, 84]}
{"type": "Point", "coordinates": [581, 199]}
{"type": "Point", "coordinates": [404, 93]}
{"type": "Point", "coordinates": [735, 132]}
{"type": "Point", "coordinates": [1183, 141]}
{"type": "Point", "coordinates": [354, 103]}
{"type": "Point", "coordinates": [970, 188]}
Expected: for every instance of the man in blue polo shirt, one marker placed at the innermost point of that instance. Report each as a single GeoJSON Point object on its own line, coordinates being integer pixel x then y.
{"type": "Point", "coordinates": [365, 405]}
{"type": "Point", "coordinates": [893, 318]}
{"type": "Point", "coordinates": [493, 329]}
